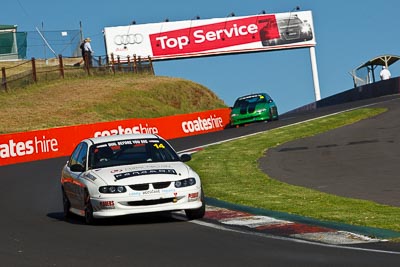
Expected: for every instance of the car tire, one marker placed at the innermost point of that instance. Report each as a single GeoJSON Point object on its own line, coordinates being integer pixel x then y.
{"type": "Point", "coordinates": [272, 113]}
{"type": "Point", "coordinates": [197, 213]}
{"type": "Point", "coordinates": [89, 219]}
{"type": "Point", "coordinates": [66, 205]}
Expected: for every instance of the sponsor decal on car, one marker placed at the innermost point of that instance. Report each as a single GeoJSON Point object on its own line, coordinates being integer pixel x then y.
{"type": "Point", "coordinates": [120, 176]}
{"type": "Point", "coordinates": [251, 96]}
{"type": "Point", "coordinates": [116, 171]}
{"type": "Point", "coordinates": [107, 204]}
{"type": "Point", "coordinates": [151, 192]}
{"type": "Point", "coordinates": [90, 176]}
{"type": "Point", "coordinates": [193, 196]}
{"type": "Point", "coordinates": [169, 190]}
{"type": "Point", "coordinates": [135, 194]}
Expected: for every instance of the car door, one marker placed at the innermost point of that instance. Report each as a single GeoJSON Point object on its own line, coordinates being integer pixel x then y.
{"type": "Point", "coordinates": [73, 186]}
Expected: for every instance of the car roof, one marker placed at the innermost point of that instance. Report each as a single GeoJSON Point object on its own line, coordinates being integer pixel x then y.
{"type": "Point", "coordinates": [119, 137]}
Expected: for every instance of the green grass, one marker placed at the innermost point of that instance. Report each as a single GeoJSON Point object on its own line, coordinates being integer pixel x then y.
{"type": "Point", "coordinates": [230, 172]}
{"type": "Point", "coordinates": [91, 99]}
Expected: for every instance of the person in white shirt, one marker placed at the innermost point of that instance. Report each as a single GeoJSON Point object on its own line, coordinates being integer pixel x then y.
{"type": "Point", "coordinates": [88, 51]}
{"type": "Point", "coordinates": [385, 73]}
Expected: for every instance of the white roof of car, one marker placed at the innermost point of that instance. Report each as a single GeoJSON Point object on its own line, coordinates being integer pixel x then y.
{"type": "Point", "coordinates": [111, 138]}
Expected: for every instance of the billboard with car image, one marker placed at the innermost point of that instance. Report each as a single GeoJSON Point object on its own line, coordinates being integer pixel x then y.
{"type": "Point", "coordinates": [205, 37]}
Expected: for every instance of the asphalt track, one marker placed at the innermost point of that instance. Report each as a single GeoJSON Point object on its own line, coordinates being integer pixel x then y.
{"type": "Point", "coordinates": [32, 232]}
{"type": "Point", "coordinates": [357, 161]}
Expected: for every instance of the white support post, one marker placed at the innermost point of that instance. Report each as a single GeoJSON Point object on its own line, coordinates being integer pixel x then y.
{"type": "Point", "coordinates": [315, 74]}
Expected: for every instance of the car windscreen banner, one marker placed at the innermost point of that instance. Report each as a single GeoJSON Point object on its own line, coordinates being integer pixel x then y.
{"type": "Point", "coordinates": [202, 37]}
{"type": "Point", "coordinates": [59, 142]}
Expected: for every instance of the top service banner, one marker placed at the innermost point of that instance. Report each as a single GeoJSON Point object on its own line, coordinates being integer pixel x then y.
{"type": "Point", "coordinates": [192, 38]}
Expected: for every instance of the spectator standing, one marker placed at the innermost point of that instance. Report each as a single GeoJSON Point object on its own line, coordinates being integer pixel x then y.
{"type": "Point", "coordinates": [385, 73]}
{"type": "Point", "coordinates": [88, 51]}
{"type": "Point", "coordinates": [82, 47]}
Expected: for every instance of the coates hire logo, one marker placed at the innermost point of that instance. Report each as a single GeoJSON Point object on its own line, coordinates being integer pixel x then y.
{"type": "Point", "coordinates": [36, 145]}
{"type": "Point", "coordinates": [137, 129]}
{"type": "Point", "coordinates": [209, 37]}
{"type": "Point", "coordinates": [200, 124]}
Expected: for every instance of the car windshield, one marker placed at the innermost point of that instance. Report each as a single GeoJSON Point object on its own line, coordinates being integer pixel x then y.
{"type": "Point", "coordinates": [134, 151]}
{"type": "Point", "coordinates": [290, 21]}
{"type": "Point", "coordinates": [245, 101]}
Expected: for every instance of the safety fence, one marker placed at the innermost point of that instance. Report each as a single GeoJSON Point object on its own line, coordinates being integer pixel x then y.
{"type": "Point", "coordinates": [31, 71]}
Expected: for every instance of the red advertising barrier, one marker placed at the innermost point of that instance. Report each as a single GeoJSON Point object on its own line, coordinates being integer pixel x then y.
{"type": "Point", "coordinates": [58, 142]}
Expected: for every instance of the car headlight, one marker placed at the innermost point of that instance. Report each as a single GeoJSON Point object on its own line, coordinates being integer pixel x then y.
{"type": "Point", "coordinates": [185, 182]}
{"type": "Point", "coordinates": [112, 189]}
{"type": "Point", "coordinates": [234, 115]}
{"type": "Point", "coordinates": [306, 28]}
{"type": "Point", "coordinates": [261, 110]}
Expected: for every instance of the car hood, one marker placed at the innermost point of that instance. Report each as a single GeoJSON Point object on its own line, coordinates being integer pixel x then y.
{"type": "Point", "coordinates": [141, 173]}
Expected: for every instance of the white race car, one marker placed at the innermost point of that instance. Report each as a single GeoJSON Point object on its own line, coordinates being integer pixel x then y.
{"type": "Point", "coordinates": [128, 174]}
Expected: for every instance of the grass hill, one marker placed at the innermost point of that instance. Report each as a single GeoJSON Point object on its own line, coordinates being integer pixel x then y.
{"type": "Point", "coordinates": [92, 99]}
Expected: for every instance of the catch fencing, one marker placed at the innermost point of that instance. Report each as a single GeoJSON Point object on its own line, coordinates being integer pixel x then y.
{"type": "Point", "coordinates": [39, 44]}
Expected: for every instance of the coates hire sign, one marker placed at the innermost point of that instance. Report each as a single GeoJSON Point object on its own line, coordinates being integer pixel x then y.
{"type": "Point", "coordinates": [190, 38]}
{"type": "Point", "coordinates": [59, 142]}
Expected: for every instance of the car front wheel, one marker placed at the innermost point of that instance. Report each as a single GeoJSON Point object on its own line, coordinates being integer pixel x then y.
{"type": "Point", "coordinates": [89, 219]}
{"type": "Point", "coordinates": [273, 114]}
{"type": "Point", "coordinates": [197, 213]}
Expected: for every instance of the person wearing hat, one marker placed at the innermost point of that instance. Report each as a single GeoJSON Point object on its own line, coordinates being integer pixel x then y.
{"type": "Point", "coordinates": [385, 73]}
{"type": "Point", "coordinates": [82, 47]}
{"type": "Point", "coordinates": [88, 51]}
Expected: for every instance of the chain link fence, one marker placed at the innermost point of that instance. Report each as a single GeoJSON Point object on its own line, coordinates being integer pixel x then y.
{"type": "Point", "coordinates": [39, 44]}
{"type": "Point", "coordinates": [50, 44]}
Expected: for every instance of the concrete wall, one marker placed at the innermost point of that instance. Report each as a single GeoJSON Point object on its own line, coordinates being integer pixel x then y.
{"type": "Point", "coordinates": [381, 88]}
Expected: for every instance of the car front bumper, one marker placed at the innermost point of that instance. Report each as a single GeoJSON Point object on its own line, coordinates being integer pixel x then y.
{"type": "Point", "coordinates": [249, 118]}
{"type": "Point", "coordinates": [104, 207]}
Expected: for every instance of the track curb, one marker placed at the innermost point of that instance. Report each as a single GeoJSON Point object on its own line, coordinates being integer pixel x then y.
{"type": "Point", "coordinates": [361, 230]}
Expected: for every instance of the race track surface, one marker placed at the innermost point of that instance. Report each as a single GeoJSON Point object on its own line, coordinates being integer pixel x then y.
{"type": "Point", "coordinates": [33, 232]}
{"type": "Point", "coordinates": [357, 161]}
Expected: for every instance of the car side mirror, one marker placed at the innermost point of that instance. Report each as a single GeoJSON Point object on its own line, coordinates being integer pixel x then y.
{"type": "Point", "coordinates": [185, 157]}
{"type": "Point", "coordinates": [77, 168]}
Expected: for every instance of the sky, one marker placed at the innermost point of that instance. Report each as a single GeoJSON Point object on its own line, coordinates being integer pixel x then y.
{"type": "Point", "coordinates": [348, 33]}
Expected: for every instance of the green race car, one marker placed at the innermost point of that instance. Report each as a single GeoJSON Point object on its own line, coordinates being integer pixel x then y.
{"type": "Point", "coordinates": [254, 107]}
